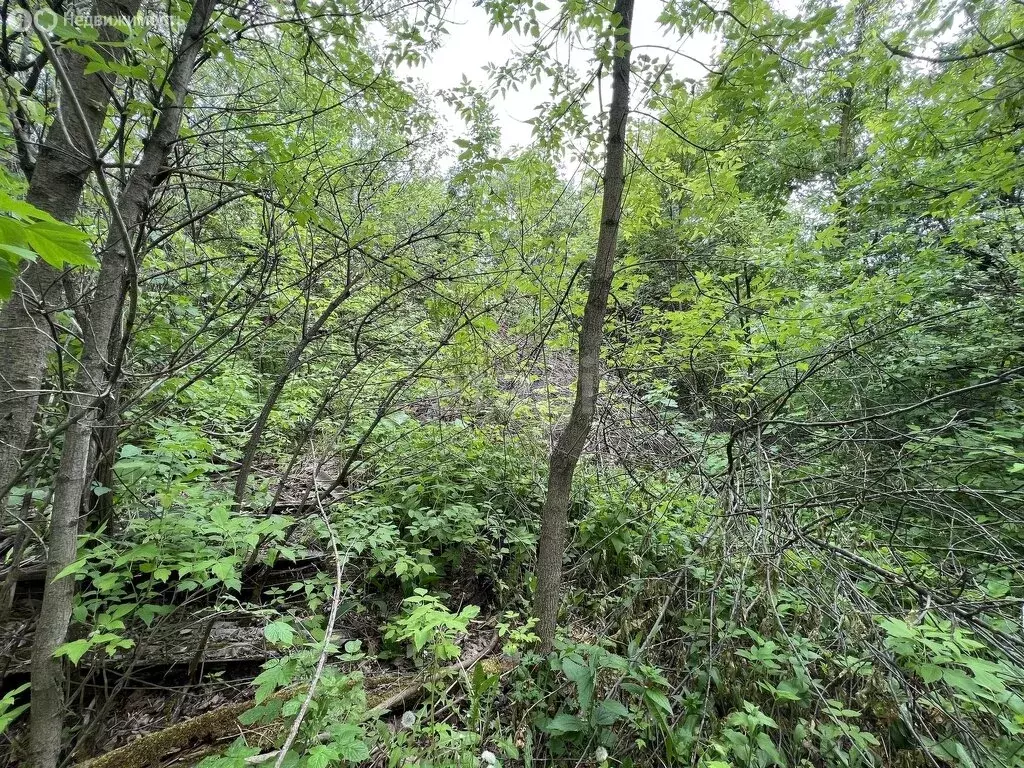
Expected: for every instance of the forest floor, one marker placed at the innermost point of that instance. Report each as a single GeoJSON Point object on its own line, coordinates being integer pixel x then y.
{"type": "Point", "coordinates": [184, 683]}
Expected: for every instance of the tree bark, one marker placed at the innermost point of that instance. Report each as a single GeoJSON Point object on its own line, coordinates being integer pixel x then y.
{"type": "Point", "coordinates": [569, 446]}
{"type": "Point", "coordinates": [58, 178]}
{"type": "Point", "coordinates": [116, 259]}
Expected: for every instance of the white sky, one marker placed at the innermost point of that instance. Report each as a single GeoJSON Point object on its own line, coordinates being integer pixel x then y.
{"type": "Point", "coordinates": [469, 47]}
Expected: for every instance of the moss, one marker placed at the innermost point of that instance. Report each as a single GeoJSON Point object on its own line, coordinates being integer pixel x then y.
{"type": "Point", "coordinates": [151, 749]}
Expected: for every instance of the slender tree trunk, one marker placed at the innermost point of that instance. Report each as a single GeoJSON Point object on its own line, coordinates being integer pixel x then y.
{"type": "Point", "coordinates": [101, 508]}
{"type": "Point", "coordinates": [10, 584]}
{"type": "Point", "coordinates": [58, 179]}
{"type": "Point", "coordinates": [294, 358]}
{"type": "Point", "coordinates": [116, 259]}
{"type": "Point", "coordinates": [569, 446]}
{"type": "Point", "coordinates": [849, 118]}
{"type": "Point", "coordinates": [28, 528]}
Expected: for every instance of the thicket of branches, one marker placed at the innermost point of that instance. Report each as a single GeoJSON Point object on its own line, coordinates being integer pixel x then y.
{"type": "Point", "coordinates": [324, 444]}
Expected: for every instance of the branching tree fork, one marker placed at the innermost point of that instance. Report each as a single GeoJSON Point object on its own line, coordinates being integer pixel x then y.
{"type": "Point", "coordinates": [58, 177]}
{"type": "Point", "coordinates": [117, 263]}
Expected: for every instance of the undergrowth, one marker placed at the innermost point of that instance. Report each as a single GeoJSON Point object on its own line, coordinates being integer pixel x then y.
{"type": "Point", "coordinates": [682, 645]}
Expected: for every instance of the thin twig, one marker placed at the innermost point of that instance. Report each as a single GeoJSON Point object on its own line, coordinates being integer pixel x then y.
{"type": "Point", "coordinates": [339, 571]}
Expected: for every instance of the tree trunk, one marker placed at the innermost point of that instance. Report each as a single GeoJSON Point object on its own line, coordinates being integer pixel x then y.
{"type": "Point", "coordinates": [850, 122]}
{"type": "Point", "coordinates": [569, 446]}
{"type": "Point", "coordinates": [290, 365]}
{"type": "Point", "coordinates": [58, 179]}
{"type": "Point", "coordinates": [104, 312]}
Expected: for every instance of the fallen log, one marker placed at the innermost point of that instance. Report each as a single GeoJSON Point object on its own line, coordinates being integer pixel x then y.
{"type": "Point", "coordinates": [148, 751]}
{"type": "Point", "coordinates": [151, 749]}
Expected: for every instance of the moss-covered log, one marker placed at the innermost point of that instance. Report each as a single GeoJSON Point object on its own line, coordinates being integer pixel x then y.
{"type": "Point", "coordinates": [218, 724]}
{"type": "Point", "coordinates": [154, 747]}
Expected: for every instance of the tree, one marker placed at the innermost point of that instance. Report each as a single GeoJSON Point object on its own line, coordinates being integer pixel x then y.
{"type": "Point", "coordinates": [57, 177]}
{"type": "Point", "coordinates": [573, 437]}
{"type": "Point", "coordinates": [307, 402]}
{"type": "Point", "coordinates": [117, 264]}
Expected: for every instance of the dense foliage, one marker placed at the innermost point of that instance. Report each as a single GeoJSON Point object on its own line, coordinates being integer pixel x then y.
{"type": "Point", "coordinates": [280, 374]}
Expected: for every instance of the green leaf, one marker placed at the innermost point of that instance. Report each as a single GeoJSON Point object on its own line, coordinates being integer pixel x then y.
{"type": "Point", "coordinates": [322, 756]}
{"type": "Point", "coordinates": [19, 252]}
{"type": "Point", "coordinates": [276, 674]}
{"type": "Point", "coordinates": [279, 633]}
{"type": "Point", "coordinates": [266, 712]}
{"type": "Point", "coordinates": [563, 723]}
{"type": "Point", "coordinates": [8, 271]}
{"type": "Point", "coordinates": [74, 650]}
{"type": "Point", "coordinates": [584, 680]}
{"type": "Point", "coordinates": [960, 681]}
{"type": "Point", "coordinates": [59, 244]}
{"type": "Point", "coordinates": [659, 700]}
{"type": "Point", "coordinates": [984, 674]}
{"type": "Point", "coordinates": [609, 711]}
{"type": "Point", "coordinates": [224, 569]}
{"type": "Point", "coordinates": [897, 628]}
{"type": "Point", "coordinates": [76, 567]}
{"type": "Point", "coordinates": [23, 209]}
{"type": "Point", "coordinates": [930, 673]}
{"type": "Point", "coordinates": [6, 718]}
{"type": "Point", "coordinates": [765, 744]}
{"type": "Point", "coordinates": [350, 742]}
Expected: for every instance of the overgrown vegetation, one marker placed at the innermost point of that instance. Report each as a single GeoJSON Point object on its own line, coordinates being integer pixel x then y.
{"type": "Point", "coordinates": [287, 389]}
